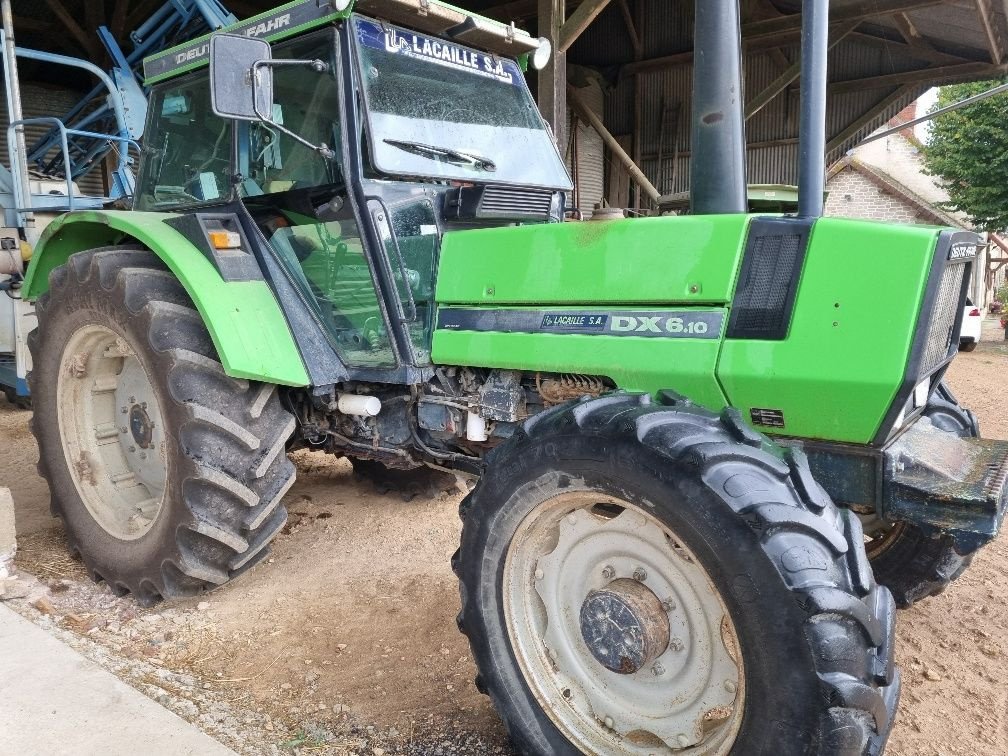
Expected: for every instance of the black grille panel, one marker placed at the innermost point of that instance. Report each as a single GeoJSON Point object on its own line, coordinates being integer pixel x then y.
{"type": "Point", "coordinates": [764, 296]}
{"type": "Point", "coordinates": [943, 318]}
{"type": "Point", "coordinates": [516, 203]}
{"type": "Point", "coordinates": [498, 202]}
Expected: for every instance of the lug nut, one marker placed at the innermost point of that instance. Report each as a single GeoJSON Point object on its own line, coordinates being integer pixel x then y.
{"type": "Point", "coordinates": [640, 575]}
{"type": "Point", "coordinates": [668, 605]}
{"type": "Point", "coordinates": [608, 573]}
{"type": "Point", "coordinates": [676, 644]}
{"type": "Point", "coordinates": [539, 574]}
{"type": "Point", "coordinates": [658, 670]}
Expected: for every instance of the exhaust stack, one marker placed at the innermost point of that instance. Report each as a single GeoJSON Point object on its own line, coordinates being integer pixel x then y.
{"type": "Point", "coordinates": [812, 134]}
{"type": "Point", "coordinates": [718, 163]}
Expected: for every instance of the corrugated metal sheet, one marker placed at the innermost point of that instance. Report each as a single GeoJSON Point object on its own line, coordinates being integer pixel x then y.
{"type": "Point", "coordinates": [589, 148]}
{"type": "Point", "coordinates": [36, 101]}
{"type": "Point", "coordinates": [772, 134]}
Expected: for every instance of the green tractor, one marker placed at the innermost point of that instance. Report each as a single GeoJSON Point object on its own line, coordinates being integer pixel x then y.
{"type": "Point", "coordinates": [696, 450]}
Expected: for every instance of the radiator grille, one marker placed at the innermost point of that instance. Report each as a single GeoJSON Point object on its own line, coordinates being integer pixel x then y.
{"type": "Point", "coordinates": [943, 318]}
{"type": "Point", "coordinates": [762, 307]}
{"type": "Point", "coordinates": [768, 281]}
{"type": "Point", "coordinates": [507, 202]}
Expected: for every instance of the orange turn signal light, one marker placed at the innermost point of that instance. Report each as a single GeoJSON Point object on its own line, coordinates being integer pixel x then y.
{"type": "Point", "coordinates": [224, 239]}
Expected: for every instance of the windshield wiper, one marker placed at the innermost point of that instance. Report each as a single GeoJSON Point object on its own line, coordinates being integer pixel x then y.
{"type": "Point", "coordinates": [445, 153]}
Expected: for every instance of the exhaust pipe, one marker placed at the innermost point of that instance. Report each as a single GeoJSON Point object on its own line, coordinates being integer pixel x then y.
{"type": "Point", "coordinates": [718, 163]}
{"type": "Point", "coordinates": [812, 134]}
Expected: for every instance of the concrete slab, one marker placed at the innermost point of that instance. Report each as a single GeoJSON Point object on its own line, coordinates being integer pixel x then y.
{"type": "Point", "coordinates": [55, 701]}
{"type": "Point", "coordinates": [8, 542]}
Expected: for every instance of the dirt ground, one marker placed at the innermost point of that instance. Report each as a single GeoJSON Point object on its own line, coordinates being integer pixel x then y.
{"type": "Point", "coordinates": [345, 638]}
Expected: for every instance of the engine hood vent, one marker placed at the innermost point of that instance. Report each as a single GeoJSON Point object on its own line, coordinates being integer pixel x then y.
{"type": "Point", "coordinates": [470, 203]}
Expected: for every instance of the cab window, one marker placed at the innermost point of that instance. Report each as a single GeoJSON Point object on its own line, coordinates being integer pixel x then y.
{"type": "Point", "coordinates": [187, 149]}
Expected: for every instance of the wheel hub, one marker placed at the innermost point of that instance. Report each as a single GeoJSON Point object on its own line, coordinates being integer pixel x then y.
{"type": "Point", "coordinates": [140, 425]}
{"type": "Point", "coordinates": [624, 626]}
{"type": "Point", "coordinates": [622, 634]}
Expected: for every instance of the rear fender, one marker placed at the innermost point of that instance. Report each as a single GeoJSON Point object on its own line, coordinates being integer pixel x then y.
{"type": "Point", "coordinates": [245, 321]}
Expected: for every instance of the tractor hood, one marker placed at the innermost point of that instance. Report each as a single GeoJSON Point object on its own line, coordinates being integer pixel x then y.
{"type": "Point", "coordinates": [645, 261]}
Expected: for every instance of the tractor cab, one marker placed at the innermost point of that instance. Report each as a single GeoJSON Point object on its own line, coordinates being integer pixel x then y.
{"type": "Point", "coordinates": [348, 155]}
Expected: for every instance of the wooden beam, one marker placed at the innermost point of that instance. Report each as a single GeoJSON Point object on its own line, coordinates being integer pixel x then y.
{"type": "Point", "coordinates": [141, 12]}
{"type": "Point", "coordinates": [586, 115]}
{"type": "Point", "coordinates": [32, 25]}
{"type": "Point", "coordinates": [764, 42]}
{"type": "Point", "coordinates": [552, 90]}
{"type": "Point", "coordinates": [519, 10]}
{"type": "Point", "coordinates": [931, 55]}
{"type": "Point", "coordinates": [117, 25]}
{"type": "Point", "coordinates": [861, 11]}
{"type": "Point", "coordinates": [990, 30]}
{"type": "Point", "coordinates": [793, 72]}
{"type": "Point", "coordinates": [932, 76]}
{"type": "Point", "coordinates": [910, 33]}
{"type": "Point", "coordinates": [88, 42]}
{"type": "Point", "coordinates": [579, 20]}
{"type": "Point", "coordinates": [631, 28]}
{"type": "Point", "coordinates": [865, 118]}
{"type": "Point", "coordinates": [94, 16]}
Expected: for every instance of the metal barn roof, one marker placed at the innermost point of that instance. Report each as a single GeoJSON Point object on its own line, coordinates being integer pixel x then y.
{"type": "Point", "coordinates": [885, 54]}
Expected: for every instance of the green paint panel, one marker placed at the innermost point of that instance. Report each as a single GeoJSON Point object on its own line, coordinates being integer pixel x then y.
{"type": "Point", "coordinates": [666, 260]}
{"type": "Point", "coordinates": [845, 356]}
{"type": "Point", "coordinates": [247, 326]}
{"type": "Point", "coordinates": [635, 363]}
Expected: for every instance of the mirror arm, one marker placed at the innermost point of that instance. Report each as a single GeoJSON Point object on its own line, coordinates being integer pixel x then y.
{"type": "Point", "coordinates": [317, 66]}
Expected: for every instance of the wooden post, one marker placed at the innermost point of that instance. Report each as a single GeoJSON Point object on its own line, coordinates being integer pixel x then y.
{"type": "Point", "coordinates": [553, 76]}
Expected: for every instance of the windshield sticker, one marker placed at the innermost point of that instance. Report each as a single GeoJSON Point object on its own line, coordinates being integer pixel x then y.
{"type": "Point", "coordinates": [438, 51]}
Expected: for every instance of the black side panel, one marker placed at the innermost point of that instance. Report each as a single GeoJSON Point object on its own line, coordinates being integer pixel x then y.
{"type": "Point", "coordinates": [232, 264]}
{"type": "Point", "coordinates": [765, 294]}
{"type": "Point", "coordinates": [320, 358]}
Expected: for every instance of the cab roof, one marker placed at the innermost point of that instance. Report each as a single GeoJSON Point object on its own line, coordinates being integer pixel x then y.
{"type": "Point", "coordinates": [431, 16]}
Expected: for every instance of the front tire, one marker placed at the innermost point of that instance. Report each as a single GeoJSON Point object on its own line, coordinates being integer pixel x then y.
{"type": "Point", "coordinates": [771, 635]}
{"type": "Point", "coordinates": [167, 473]}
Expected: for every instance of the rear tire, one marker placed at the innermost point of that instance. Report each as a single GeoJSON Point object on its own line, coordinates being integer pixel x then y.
{"type": "Point", "coordinates": [909, 563]}
{"type": "Point", "coordinates": [814, 632]}
{"type": "Point", "coordinates": [967, 346]}
{"type": "Point", "coordinates": [203, 503]}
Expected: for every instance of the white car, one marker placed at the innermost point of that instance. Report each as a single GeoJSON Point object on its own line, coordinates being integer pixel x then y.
{"type": "Point", "coordinates": [969, 334]}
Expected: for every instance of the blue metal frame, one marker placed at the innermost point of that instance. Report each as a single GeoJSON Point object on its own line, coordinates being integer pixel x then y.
{"type": "Point", "coordinates": [173, 21]}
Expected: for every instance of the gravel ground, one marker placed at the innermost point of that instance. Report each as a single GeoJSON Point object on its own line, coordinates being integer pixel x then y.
{"type": "Point", "coordinates": [344, 641]}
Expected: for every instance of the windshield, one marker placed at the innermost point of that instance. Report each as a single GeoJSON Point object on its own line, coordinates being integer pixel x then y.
{"type": "Point", "coordinates": [439, 110]}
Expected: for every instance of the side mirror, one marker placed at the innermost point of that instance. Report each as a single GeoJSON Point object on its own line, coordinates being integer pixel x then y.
{"type": "Point", "coordinates": [241, 87]}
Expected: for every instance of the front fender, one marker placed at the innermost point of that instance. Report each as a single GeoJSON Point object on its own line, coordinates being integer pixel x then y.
{"type": "Point", "coordinates": [245, 321]}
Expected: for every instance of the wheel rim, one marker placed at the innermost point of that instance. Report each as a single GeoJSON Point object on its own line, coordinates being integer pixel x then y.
{"type": "Point", "coordinates": [682, 687]}
{"type": "Point", "coordinates": [879, 534]}
{"type": "Point", "coordinates": [112, 430]}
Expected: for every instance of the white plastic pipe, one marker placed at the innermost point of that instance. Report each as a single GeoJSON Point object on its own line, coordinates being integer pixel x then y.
{"type": "Point", "coordinates": [476, 427]}
{"type": "Point", "coordinates": [358, 404]}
